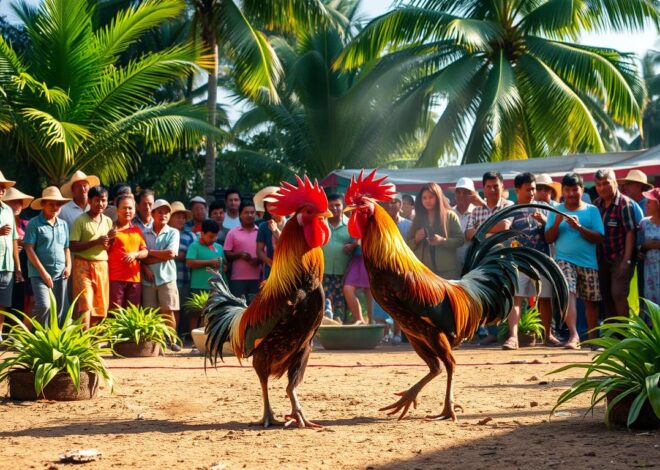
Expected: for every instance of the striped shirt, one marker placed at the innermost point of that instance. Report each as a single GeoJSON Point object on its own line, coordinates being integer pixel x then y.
{"type": "Point", "coordinates": [618, 219]}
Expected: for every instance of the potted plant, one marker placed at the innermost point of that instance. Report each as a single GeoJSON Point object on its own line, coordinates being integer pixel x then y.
{"type": "Point", "coordinates": [196, 303]}
{"type": "Point", "coordinates": [530, 327]}
{"type": "Point", "coordinates": [626, 373]}
{"type": "Point", "coordinates": [137, 331]}
{"type": "Point", "coordinates": [53, 362]}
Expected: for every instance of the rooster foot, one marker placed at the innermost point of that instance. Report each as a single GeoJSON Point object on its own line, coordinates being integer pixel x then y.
{"type": "Point", "coordinates": [449, 412]}
{"type": "Point", "coordinates": [407, 398]}
{"type": "Point", "coordinates": [299, 419]}
{"type": "Point", "coordinates": [267, 421]}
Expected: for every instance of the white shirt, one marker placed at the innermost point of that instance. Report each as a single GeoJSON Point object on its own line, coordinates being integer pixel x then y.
{"type": "Point", "coordinates": [71, 211]}
{"type": "Point", "coordinates": [231, 222]}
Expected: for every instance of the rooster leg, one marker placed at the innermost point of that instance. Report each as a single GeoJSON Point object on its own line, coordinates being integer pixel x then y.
{"type": "Point", "coordinates": [296, 373]}
{"type": "Point", "coordinates": [450, 408]}
{"type": "Point", "coordinates": [409, 397]}
{"type": "Point", "coordinates": [269, 417]}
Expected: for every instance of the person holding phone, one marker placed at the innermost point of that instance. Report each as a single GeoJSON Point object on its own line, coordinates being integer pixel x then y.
{"type": "Point", "coordinates": [435, 233]}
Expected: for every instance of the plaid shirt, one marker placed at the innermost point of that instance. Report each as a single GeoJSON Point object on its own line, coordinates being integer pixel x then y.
{"type": "Point", "coordinates": [481, 213]}
{"type": "Point", "coordinates": [618, 219]}
{"type": "Point", "coordinates": [182, 272]}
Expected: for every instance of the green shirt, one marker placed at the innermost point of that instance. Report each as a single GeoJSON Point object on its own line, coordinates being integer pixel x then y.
{"type": "Point", "coordinates": [336, 259]}
{"type": "Point", "coordinates": [86, 229]}
{"type": "Point", "coordinates": [199, 277]}
{"type": "Point", "coordinates": [7, 241]}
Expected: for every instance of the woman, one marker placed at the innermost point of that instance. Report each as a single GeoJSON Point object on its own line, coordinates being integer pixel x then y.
{"type": "Point", "coordinates": [650, 248]}
{"type": "Point", "coordinates": [436, 232]}
{"type": "Point", "coordinates": [19, 201]}
{"type": "Point", "coordinates": [123, 256]}
{"type": "Point", "coordinates": [357, 278]}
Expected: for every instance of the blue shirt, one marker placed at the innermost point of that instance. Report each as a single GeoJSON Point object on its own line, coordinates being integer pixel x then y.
{"type": "Point", "coordinates": [186, 237]}
{"type": "Point", "coordinates": [167, 239]}
{"type": "Point", "coordinates": [570, 245]}
{"type": "Point", "coordinates": [49, 242]}
{"type": "Point", "coordinates": [404, 225]}
{"type": "Point", "coordinates": [532, 231]}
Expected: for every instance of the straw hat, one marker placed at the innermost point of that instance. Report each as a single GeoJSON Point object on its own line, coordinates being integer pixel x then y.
{"type": "Point", "coordinates": [160, 203]}
{"type": "Point", "coordinates": [636, 176]}
{"type": "Point", "coordinates": [177, 206]}
{"type": "Point", "coordinates": [7, 183]}
{"type": "Point", "coordinates": [51, 193]}
{"type": "Point", "coordinates": [14, 194]}
{"type": "Point", "coordinates": [263, 196]}
{"type": "Point", "coordinates": [544, 179]}
{"type": "Point", "coordinates": [79, 176]}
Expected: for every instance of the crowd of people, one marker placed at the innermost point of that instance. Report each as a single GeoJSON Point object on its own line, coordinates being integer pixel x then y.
{"type": "Point", "coordinates": [120, 248]}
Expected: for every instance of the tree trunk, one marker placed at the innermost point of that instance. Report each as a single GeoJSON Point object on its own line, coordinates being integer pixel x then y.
{"type": "Point", "coordinates": [209, 165]}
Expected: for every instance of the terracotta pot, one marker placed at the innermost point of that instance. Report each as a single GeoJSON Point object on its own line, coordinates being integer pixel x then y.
{"type": "Point", "coordinates": [619, 413]}
{"type": "Point", "coordinates": [131, 349]}
{"type": "Point", "coordinates": [60, 388]}
{"type": "Point", "coordinates": [526, 339]}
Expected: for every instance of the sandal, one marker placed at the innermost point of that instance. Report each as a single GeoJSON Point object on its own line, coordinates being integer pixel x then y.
{"type": "Point", "coordinates": [575, 345]}
{"type": "Point", "coordinates": [552, 343]}
{"type": "Point", "coordinates": [510, 344]}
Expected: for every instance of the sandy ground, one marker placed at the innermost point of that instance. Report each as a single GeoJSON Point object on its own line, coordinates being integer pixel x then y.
{"type": "Point", "coordinates": [166, 413]}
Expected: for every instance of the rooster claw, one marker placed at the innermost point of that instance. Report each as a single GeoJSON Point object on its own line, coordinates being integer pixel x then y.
{"type": "Point", "coordinates": [299, 419]}
{"type": "Point", "coordinates": [449, 412]}
{"type": "Point", "coordinates": [402, 405]}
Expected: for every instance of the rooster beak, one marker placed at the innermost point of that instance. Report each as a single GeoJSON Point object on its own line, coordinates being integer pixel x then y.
{"type": "Point", "coordinates": [349, 208]}
{"type": "Point", "coordinates": [325, 215]}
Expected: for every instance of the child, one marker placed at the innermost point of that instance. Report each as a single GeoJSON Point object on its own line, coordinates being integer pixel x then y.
{"type": "Point", "coordinates": [203, 253]}
{"type": "Point", "coordinates": [46, 244]}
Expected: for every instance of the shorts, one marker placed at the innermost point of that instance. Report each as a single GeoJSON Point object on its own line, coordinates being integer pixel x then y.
{"type": "Point", "coordinates": [583, 282]}
{"type": "Point", "coordinates": [122, 293]}
{"type": "Point", "coordinates": [6, 288]}
{"type": "Point", "coordinates": [165, 296]}
{"type": "Point", "coordinates": [90, 280]}
{"type": "Point", "coordinates": [527, 287]}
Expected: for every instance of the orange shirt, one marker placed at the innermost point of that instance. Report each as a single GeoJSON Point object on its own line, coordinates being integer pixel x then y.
{"type": "Point", "coordinates": [127, 241]}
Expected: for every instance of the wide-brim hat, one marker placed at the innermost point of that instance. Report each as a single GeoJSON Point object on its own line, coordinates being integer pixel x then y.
{"type": "Point", "coordinates": [14, 194]}
{"type": "Point", "coordinates": [78, 176]}
{"type": "Point", "coordinates": [636, 176]}
{"type": "Point", "coordinates": [158, 203]}
{"type": "Point", "coordinates": [177, 206]}
{"type": "Point", "coordinates": [544, 179]}
{"type": "Point", "coordinates": [5, 181]}
{"type": "Point", "coordinates": [51, 193]}
{"type": "Point", "coordinates": [263, 196]}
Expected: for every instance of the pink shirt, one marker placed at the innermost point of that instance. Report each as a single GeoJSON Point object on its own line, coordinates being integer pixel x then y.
{"type": "Point", "coordinates": [239, 240]}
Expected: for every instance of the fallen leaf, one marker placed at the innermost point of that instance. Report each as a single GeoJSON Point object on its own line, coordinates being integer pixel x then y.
{"type": "Point", "coordinates": [487, 419]}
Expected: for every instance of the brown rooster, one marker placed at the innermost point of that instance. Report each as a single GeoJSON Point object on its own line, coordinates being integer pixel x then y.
{"type": "Point", "coordinates": [434, 313]}
{"type": "Point", "coordinates": [276, 330]}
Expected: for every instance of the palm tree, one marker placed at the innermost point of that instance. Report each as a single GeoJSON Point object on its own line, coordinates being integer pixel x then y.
{"type": "Point", "coordinates": [512, 80]}
{"type": "Point", "coordinates": [325, 119]}
{"type": "Point", "coordinates": [650, 135]}
{"type": "Point", "coordinates": [233, 28]}
{"type": "Point", "coordinates": [70, 104]}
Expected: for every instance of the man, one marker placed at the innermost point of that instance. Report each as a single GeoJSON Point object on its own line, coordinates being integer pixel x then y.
{"type": "Point", "coordinates": [464, 193]}
{"type": "Point", "coordinates": [493, 184]}
{"type": "Point", "coordinates": [408, 206]}
{"type": "Point", "coordinates": [198, 208]}
{"type": "Point", "coordinates": [337, 253]}
{"type": "Point", "coordinates": [232, 205]}
{"type": "Point", "coordinates": [615, 256]}
{"type": "Point", "coordinates": [77, 188]}
{"type": "Point", "coordinates": [531, 224]}
{"type": "Point", "coordinates": [241, 248]}
{"type": "Point", "coordinates": [159, 269]}
{"type": "Point", "coordinates": [180, 215]}
{"type": "Point", "coordinates": [547, 191]}
{"type": "Point", "coordinates": [46, 244]}
{"type": "Point", "coordinates": [217, 213]}
{"type": "Point", "coordinates": [91, 236]}
{"type": "Point", "coordinates": [144, 201]}
{"type": "Point", "coordinates": [576, 237]}
{"type": "Point", "coordinates": [10, 266]}
{"type": "Point", "coordinates": [117, 191]}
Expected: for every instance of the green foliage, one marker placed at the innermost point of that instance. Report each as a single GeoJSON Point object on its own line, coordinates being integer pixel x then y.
{"type": "Point", "coordinates": [529, 324]}
{"type": "Point", "coordinates": [512, 80]}
{"type": "Point", "coordinates": [139, 325]}
{"type": "Point", "coordinates": [51, 349]}
{"type": "Point", "coordinates": [74, 102]}
{"type": "Point", "coordinates": [629, 365]}
{"type": "Point", "coordinates": [197, 300]}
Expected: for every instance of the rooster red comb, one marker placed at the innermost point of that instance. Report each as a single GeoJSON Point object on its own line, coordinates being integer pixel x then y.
{"type": "Point", "coordinates": [290, 198]}
{"type": "Point", "coordinates": [370, 187]}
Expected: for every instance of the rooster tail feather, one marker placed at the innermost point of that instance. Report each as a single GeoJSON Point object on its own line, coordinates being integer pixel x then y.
{"type": "Point", "coordinates": [491, 269]}
{"type": "Point", "coordinates": [223, 313]}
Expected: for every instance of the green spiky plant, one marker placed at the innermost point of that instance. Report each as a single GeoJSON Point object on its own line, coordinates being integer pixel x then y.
{"type": "Point", "coordinates": [529, 324]}
{"type": "Point", "coordinates": [629, 365]}
{"type": "Point", "coordinates": [138, 324]}
{"type": "Point", "coordinates": [48, 350]}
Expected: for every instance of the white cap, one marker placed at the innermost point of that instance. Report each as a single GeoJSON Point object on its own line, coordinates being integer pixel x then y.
{"type": "Point", "coordinates": [198, 199]}
{"type": "Point", "coordinates": [158, 203]}
{"type": "Point", "coordinates": [464, 183]}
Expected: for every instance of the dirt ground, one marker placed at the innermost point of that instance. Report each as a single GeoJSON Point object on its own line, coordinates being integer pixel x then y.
{"type": "Point", "coordinates": [167, 413]}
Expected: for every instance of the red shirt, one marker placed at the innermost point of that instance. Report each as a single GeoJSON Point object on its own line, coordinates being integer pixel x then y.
{"type": "Point", "coordinates": [127, 241]}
